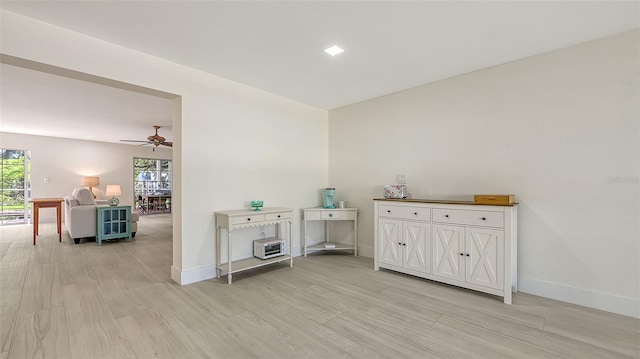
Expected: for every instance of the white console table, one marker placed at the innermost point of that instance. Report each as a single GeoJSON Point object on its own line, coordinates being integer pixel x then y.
{"type": "Point", "coordinates": [328, 215]}
{"type": "Point", "coordinates": [245, 218]}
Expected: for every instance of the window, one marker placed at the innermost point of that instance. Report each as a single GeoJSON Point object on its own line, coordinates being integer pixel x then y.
{"type": "Point", "coordinates": [151, 177]}
{"type": "Point", "coordinates": [15, 170]}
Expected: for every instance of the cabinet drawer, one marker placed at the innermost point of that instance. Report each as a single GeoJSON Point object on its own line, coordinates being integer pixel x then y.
{"type": "Point", "coordinates": [248, 219]}
{"type": "Point", "coordinates": [328, 215]}
{"type": "Point", "coordinates": [414, 213]}
{"type": "Point", "coordinates": [468, 217]}
{"type": "Point", "coordinates": [277, 216]}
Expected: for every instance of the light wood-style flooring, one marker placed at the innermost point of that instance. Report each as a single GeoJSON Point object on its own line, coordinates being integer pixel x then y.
{"type": "Point", "coordinates": [118, 301]}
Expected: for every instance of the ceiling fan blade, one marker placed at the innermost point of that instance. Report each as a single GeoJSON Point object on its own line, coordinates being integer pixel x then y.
{"type": "Point", "coordinates": [155, 140]}
{"type": "Point", "coordinates": [134, 141]}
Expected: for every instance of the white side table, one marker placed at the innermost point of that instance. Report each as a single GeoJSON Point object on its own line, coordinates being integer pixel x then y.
{"type": "Point", "coordinates": [329, 215]}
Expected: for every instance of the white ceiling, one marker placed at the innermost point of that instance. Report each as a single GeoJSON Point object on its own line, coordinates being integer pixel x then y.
{"type": "Point", "coordinates": [278, 46]}
{"type": "Point", "coordinates": [40, 103]}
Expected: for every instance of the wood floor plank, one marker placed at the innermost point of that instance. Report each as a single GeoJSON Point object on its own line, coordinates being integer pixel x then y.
{"type": "Point", "coordinates": [208, 339]}
{"type": "Point", "coordinates": [318, 338]}
{"type": "Point", "coordinates": [41, 334]}
{"type": "Point", "coordinates": [262, 339]}
{"type": "Point", "coordinates": [469, 299]}
{"type": "Point", "coordinates": [386, 345]}
{"type": "Point", "coordinates": [13, 271]}
{"type": "Point", "coordinates": [93, 332]}
{"type": "Point", "coordinates": [306, 303]}
{"type": "Point", "coordinates": [560, 345]}
{"type": "Point", "coordinates": [42, 289]}
{"type": "Point", "coordinates": [594, 330]}
{"type": "Point", "coordinates": [507, 346]}
{"type": "Point", "coordinates": [149, 336]}
{"type": "Point", "coordinates": [224, 300]}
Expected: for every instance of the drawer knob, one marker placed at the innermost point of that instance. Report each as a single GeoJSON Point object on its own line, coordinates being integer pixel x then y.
{"type": "Point", "coordinates": [248, 219]}
{"type": "Point", "coordinates": [278, 216]}
{"type": "Point", "coordinates": [404, 244]}
{"type": "Point", "coordinates": [330, 214]}
{"type": "Point", "coordinates": [446, 215]}
{"type": "Point", "coordinates": [467, 254]}
{"type": "Point", "coordinates": [415, 213]}
{"type": "Point", "coordinates": [484, 218]}
{"type": "Point", "coordinates": [399, 243]}
{"type": "Point", "coordinates": [461, 254]}
{"type": "Point", "coordinates": [388, 211]}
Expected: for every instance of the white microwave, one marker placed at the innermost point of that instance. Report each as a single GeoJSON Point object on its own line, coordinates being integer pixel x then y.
{"type": "Point", "coordinates": [269, 248]}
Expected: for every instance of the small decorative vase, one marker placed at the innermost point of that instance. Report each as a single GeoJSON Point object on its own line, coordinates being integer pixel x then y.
{"type": "Point", "coordinates": [113, 201]}
{"type": "Point", "coordinates": [256, 205]}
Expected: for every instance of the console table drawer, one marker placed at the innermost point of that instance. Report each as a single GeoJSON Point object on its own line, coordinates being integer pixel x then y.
{"type": "Point", "coordinates": [329, 214]}
{"type": "Point", "coordinates": [277, 216]}
{"type": "Point", "coordinates": [473, 218]}
{"type": "Point", "coordinates": [402, 212]}
{"type": "Point", "coordinates": [248, 219]}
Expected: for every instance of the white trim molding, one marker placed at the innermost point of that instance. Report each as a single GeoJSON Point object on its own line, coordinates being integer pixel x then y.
{"type": "Point", "coordinates": [184, 277]}
{"type": "Point", "coordinates": [597, 300]}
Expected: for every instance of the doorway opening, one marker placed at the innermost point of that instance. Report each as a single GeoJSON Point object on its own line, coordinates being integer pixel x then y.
{"type": "Point", "coordinates": [15, 186]}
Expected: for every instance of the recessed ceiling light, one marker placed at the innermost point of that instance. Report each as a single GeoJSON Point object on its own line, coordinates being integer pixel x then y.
{"type": "Point", "coordinates": [334, 50]}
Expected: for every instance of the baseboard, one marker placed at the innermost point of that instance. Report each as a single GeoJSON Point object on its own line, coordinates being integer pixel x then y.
{"type": "Point", "coordinates": [184, 277]}
{"type": "Point", "coordinates": [611, 303]}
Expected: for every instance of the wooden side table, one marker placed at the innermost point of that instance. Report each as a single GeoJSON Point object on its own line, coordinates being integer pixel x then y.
{"type": "Point", "coordinates": [46, 203]}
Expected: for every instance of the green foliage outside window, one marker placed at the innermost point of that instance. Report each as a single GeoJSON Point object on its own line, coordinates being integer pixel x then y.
{"type": "Point", "coordinates": [14, 183]}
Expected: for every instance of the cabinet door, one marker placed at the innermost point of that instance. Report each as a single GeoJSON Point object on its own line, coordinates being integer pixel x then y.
{"type": "Point", "coordinates": [416, 245]}
{"type": "Point", "coordinates": [448, 256]}
{"type": "Point", "coordinates": [389, 239]}
{"type": "Point", "coordinates": [485, 261]}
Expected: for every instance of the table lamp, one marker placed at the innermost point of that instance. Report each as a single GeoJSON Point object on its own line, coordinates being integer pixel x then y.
{"type": "Point", "coordinates": [90, 181]}
{"type": "Point", "coordinates": [113, 190]}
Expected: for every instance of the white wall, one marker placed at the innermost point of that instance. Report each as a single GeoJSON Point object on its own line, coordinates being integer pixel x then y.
{"type": "Point", "coordinates": [559, 130]}
{"type": "Point", "coordinates": [232, 143]}
{"type": "Point", "coordinates": [64, 161]}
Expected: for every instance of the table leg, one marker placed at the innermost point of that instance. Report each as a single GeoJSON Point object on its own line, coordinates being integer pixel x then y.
{"type": "Point", "coordinates": [355, 236]}
{"type": "Point", "coordinates": [218, 256]}
{"type": "Point", "coordinates": [35, 222]}
{"type": "Point", "coordinates": [291, 244]}
{"type": "Point", "coordinates": [327, 237]}
{"type": "Point", "coordinates": [229, 256]}
{"type": "Point", "coordinates": [59, 218]}
{"type": "Point", "coordinates": [304, 233]}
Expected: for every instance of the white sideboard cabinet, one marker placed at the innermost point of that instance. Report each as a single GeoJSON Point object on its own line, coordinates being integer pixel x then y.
{"type": "Point", "coordinates": [455, 242]}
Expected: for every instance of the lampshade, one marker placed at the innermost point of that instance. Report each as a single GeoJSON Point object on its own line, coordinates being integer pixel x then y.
{"type": "Point", "coordinates": [89, 181]}
{"type": "Point", "coordinates": [113, 190]}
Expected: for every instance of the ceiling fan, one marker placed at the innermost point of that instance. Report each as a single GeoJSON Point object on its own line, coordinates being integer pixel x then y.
{"type": "Point", "coordinates": [155, 140]}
